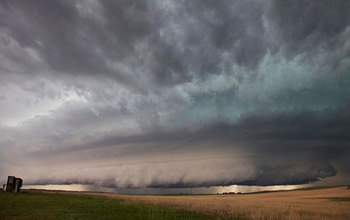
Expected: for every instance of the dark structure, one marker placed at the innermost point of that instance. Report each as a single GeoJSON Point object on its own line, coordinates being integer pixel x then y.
{"type": "Point", "coordinates": [14, 184]}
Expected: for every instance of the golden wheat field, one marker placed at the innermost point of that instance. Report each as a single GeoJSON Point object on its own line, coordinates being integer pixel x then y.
{"type": "Point", "coordinates": [330, 203]}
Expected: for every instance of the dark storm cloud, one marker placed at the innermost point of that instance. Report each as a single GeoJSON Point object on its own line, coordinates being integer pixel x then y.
{"type": "Point", "coordinates": [284, 149]}
{"type": "Point", "coordinates": [74, 43]}
{"type": "Point", "coordinates": [305, 25]}
{"type": "Point", "coordinates": [179, 93]}
{"type": "Point", "coordinates": [189, 40]}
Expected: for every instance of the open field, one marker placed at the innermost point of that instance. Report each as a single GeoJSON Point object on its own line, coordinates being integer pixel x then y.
{"type": "Point", "coordinates": [329, 203]}
{"type": "Point", "coordinates": [37, 206]}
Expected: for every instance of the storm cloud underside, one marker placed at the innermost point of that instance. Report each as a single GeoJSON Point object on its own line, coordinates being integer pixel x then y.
{"type": "Point", "coordinates": [174, 93]}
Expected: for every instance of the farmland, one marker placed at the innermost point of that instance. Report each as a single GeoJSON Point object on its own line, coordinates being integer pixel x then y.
{"type": "Point", "coordinates": [328, 203]}
{"type": "Point", "coordinates": [43, 206]}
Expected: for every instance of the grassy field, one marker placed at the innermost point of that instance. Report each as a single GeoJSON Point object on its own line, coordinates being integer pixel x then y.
{"type": "Point", "coordinates": [323, 203]}
{"type": "Point", "coordinates": [310, 203]}
{"type": "Point", "coordinates": [36, 206]}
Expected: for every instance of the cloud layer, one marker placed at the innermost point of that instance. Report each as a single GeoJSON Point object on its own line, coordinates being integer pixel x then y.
{"type": "Point", "coordinates": [174, 93]}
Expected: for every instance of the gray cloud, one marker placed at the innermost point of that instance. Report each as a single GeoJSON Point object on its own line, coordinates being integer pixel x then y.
{"type": "Point", "coordinates": [179, 93]}
{"type": "Point", "coordinates": [307, 26]}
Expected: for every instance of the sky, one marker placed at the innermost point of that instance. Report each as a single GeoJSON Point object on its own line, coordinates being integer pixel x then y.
{"type": "Point", "coordinates": [175, 93]}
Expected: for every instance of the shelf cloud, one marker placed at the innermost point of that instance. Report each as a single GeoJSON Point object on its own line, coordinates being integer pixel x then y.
{"type": "Point", "coordinates": [174, 93]}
